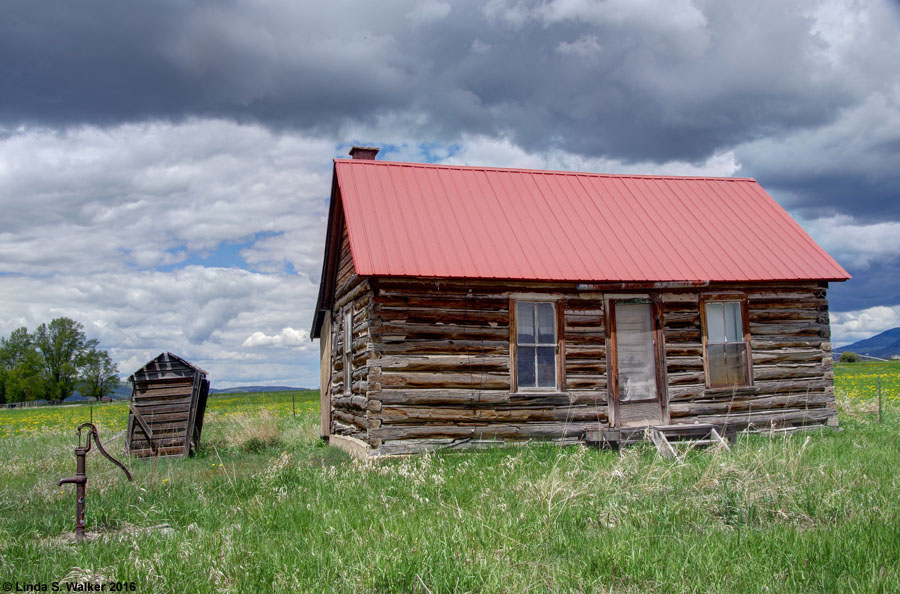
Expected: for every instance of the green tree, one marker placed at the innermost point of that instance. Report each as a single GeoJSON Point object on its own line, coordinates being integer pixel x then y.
{"type": "Point", "coordinates": [20, 368]}
{"type": "Point", "coordinates": [62, 345]}
{"type": "Point", "coordinates": [99, 374]}
{"type": "Point", "coordinates": [849, 357]}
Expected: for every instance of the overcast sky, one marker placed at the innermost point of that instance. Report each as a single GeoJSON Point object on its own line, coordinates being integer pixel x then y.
{"type": "Point", "coordinates": [165, 166]}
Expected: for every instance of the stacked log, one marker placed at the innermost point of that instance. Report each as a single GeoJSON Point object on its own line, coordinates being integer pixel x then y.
{"type": "Point", "coordinates": [431, 361]}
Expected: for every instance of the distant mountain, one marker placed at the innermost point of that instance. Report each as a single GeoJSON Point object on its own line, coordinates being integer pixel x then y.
{"type": "Point", "coordinates": [883, 346]}
{"type": "Point", "coordinates": [243, 389]}
{"type": "Point", "coordinates": [123, 392]}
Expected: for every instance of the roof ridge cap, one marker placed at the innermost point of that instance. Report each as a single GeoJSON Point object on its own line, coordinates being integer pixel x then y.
{"type": "Point", "coordinates": [659, 176]}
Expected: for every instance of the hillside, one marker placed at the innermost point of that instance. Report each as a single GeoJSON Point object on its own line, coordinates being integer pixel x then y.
{"type": "Point", "coordinates": [242, 389]}
{"type": "Point", "coordinates": [883, 345]}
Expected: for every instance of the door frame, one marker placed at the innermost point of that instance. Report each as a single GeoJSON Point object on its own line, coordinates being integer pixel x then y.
{"type": "Point", "coordinates": [659, 351]}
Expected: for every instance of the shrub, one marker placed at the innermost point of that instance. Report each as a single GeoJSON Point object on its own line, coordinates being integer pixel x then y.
{"type": "Point", "coordinates": [849, 357]}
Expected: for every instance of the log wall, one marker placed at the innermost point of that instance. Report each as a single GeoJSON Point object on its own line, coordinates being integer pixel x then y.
{"type": "Point", "coordinates": [440, 372]}
{"type": "Point", "coordinates": [791, 360]}
{"type": "Point", "coordinates": [353, 293]}
{"type": "Point", "coordinates": [431, 363]}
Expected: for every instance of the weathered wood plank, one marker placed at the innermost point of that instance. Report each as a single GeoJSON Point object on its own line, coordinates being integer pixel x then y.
{"type": "Point", "coordinates": [493, 431]}
{"type": "Point", "coordinates": [349, 419]}
{"type": "Point", "coordinates": [438, 347]}
{"type": "Point", "coordinates": [686, 377]}
{"type": "Point", "coordinates": [689, 392]}
{"type": "Point", "coordinates": [145, 405]}
{"type": "Point", "coordinates": [586, 382]}
{"type": "Point", "coordinates": [764, 418]}
{"type": "Point", "coordinates": [787, 329]}
{"type": "Point", "coordinates": [443, 363]}
{"type": "Point", "coordinates": [432, 414]}
{"type": "Point", "coordinates": [585, 367]}
{"type": "Point", "coordinates": [585, 351]}
{"type": "Point", "coordinates": [442, 396]}
{"type": "Point", "coordinates": [416, 379]}
{"type": "Point", "coordinates": [791, 371]}
{"type": "Point", "coordinates": [812, 400]}
{"type": "Point", "coordinates": [789, 355]}
{"type": "Point", "coordinates": [438, 332]}
{"type": "Point", "coordinates": [437, 315]}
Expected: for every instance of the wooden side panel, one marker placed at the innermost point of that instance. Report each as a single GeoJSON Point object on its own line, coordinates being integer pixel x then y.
{"type": "Point", "coordinates": [165, 405]}
{"type": "Point", "coordinates": [325, 378]}
{"type": "Point", "coordinates": [430, 362]}
{"type": "Point", "coordinates": [347, 404]}
{"type": "Point", "coordinates": [440, 376]}
{"type": "Point", "coordinates": [792, 377]}
{"type": "Point", "coordinates": [168, 401]}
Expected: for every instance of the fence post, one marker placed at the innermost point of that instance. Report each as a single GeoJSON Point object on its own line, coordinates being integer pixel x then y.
{"type": "Point", "coordinates": [879, 398]}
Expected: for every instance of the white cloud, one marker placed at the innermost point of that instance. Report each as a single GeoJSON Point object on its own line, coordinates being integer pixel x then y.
{"type": "Point", "coordinates": [502, 152]}
{"type": "Point", "coordinates": [863, 141]}
{"type": "Point", "coordinates": [151, 195]}
{"type": "Point", "coordinates": [585, 46]}
{"type": "Point", "coordinates": [662, 14]}
{"type": "Point", "coordinates": [513, 13]}
{"type": "Point", "coordinates": [429, 11]}
{"type": "Point", "coordinates": [287, 337]}
{"type": "Point", "coordinates": [854, 243]}
{"type": "Point", "coordinates": [849, 327]}
{"type": "Point", "coordinates": [202, 314]}
{"type": "Point", "coordinates": [91, 215]}
{"type": "Point", "coordinates": [480, 47]}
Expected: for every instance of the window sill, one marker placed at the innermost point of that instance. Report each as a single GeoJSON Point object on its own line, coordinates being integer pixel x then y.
{"type": "Point", "coordinates": [537, 393]}
{"type": "Point", "coordinates": [730, 389]}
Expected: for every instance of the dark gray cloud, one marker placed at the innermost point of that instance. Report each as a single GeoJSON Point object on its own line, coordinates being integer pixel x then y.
{"type": "Point", "coordinates": [674, 80]}
{"type": "Point", "coordinates": [137, 138]}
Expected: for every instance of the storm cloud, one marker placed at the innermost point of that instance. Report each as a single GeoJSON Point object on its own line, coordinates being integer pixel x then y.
{"type": "Point", "coordinates": [636, 80]}
{"type": "Point", "coordinates": [146, 143]}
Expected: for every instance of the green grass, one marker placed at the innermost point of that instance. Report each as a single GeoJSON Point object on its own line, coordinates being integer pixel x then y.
{"type": "Point", "coordinates": [265, 507]}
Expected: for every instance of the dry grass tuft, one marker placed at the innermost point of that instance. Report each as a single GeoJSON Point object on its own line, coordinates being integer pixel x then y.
{"type": "Point", "coordinates": [253, 432]}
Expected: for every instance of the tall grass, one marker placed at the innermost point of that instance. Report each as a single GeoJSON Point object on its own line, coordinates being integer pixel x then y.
{"type": "Point", "coordinates": [265, 507]}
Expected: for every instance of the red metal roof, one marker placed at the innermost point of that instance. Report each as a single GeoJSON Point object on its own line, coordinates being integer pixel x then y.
{"type": "Point", "coordinates": [411, 219]}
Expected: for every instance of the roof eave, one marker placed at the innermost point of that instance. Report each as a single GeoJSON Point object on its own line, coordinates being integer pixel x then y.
{"type": "Point", "coordinates": [326, 288]}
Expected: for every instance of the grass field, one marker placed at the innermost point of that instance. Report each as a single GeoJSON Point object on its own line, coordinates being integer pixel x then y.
{"type": "Point", "coordinates": [265, 507]}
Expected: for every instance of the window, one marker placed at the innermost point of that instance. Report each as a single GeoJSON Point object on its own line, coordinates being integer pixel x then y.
{"type": "Point", "coordinates": [536, 345]}
{"type": "Point", "coordinates": [348, 352]}
{"type": "Point", "coordinates": [725, 344]}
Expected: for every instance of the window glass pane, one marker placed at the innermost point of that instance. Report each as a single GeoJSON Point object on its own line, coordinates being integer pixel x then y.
{"type": "Point", "coordinates": [735, 364]}
{"type": "Point", "coordinates": [525, 322]}
{"type": "Point", "coordinates": [715, 365]}
{"type": "Point", "coordinates": [715, 323]}
{"type": "Point", "coordinates": [734, 331]}
{"type": "Point", "coordinates": [525, 367]}
{"type": "Point", "coordinates": [546, 323]}
{"type": "Point", "coordinates": [635, 355]}
{"type": "Point", "coordinates": [546, 367]}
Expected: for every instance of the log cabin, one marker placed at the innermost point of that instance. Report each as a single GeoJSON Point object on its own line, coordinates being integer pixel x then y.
{"type": "Point", "coordinates": [463, 306]}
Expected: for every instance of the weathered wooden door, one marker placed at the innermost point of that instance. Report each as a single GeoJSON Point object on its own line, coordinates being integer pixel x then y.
{"type": "Point", "coordinates": [325, 376]}
{"type": "Point", "coordinates": [634, 364]}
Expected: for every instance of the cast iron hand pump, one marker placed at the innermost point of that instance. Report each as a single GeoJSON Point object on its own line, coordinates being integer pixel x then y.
{"type": "Point", "coordinates": [80, 479]}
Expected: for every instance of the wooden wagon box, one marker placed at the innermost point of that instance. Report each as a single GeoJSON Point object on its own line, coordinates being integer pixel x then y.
{"type": "Point", "coordinates": [168, 400]}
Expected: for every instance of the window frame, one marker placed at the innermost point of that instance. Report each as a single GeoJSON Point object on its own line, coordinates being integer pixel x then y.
{"type": "Point", "coordinates": [559, 345]}
{"type": "Point", "coordinates": [741, 299]}
{"type": "Point", "coordinates": [348, 351]}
